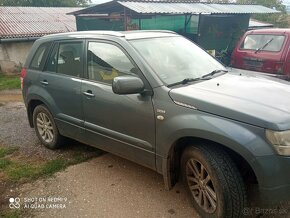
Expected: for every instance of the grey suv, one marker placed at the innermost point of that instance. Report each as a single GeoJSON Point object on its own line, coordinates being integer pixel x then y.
{"type": "Point", "coordinates": [159, 100]}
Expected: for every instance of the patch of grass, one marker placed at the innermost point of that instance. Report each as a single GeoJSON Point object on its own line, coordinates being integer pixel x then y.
{"type": "Point", "coordinates": [11, 214]}
{"type": "Point", "coordinates": [4, 163]}
{"type": "Point", "coordinates": [18, 171]}
{"type": "Point", "coordinates": [79, 157]}
{"type": "Point", "coordinates": [9, 82]}
{"type": "Point", "coordinates": [53, 166]}
{"type": "Point", "coordinates": [7, 151]}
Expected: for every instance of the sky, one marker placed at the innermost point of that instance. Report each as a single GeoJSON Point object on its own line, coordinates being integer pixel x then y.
{"type": "Point", "coordinates": [102, 1]}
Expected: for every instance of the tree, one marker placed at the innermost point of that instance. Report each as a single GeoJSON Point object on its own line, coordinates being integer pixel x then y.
{"type": "Point", "coordinates": [45, 3]}
{"type": "Point", "coordinates": [278, 19]}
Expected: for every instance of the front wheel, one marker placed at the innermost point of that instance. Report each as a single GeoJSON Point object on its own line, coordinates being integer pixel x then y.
{"type": "Point", "coordinates": [213, 182]}
{"type": "Point", "coordinates": [45, 128]}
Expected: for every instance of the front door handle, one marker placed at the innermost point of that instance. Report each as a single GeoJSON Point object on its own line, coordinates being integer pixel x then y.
{"type": "Point", "coordinates": [44, 82]}
{"type": "Point", "coordinates": [89, 93]}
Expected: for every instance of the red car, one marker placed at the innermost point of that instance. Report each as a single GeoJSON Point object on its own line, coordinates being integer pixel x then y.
{"type": "Point", "coordinates": [264, 50]}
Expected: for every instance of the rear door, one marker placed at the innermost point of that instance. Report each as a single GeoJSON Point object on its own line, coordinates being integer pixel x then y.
{"type": "Point", "coordinates": [61, 80]}
{"type": "Point", "coordinates": [121, 124]}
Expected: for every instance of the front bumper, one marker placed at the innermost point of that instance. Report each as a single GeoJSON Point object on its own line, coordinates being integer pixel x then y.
{"type": "Point", "coordinates": [275, 195]}
{"type": "Point", "coordinates": [273, 174]}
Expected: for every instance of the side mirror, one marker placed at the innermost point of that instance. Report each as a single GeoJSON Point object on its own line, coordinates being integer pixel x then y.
{"type": "Point", "coordinates": [124, 85]}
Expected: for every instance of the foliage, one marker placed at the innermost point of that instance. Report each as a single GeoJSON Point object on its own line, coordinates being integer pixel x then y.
{"type": "Point", "coordinates": [45, 3]}
{"type": "Point", "coordinates": [278, 19]}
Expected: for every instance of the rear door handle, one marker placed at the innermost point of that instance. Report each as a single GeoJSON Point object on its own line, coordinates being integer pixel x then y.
{"type": "Point", "coordinates": [44, 82]}
{"type": "Point", "coordinates": [89, 93]}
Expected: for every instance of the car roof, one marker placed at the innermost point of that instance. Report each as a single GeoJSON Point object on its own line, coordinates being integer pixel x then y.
{"type": "Point", "coordinates": [270, 31]}
{"type": "Point", "coordinates": [136, 34]}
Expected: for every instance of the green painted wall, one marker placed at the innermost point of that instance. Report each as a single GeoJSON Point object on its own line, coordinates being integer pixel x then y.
{"type": "Point", "coordinates": [94, 23]}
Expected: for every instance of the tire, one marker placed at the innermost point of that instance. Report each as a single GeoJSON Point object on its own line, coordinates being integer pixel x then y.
{"type": "Point", "coordinates": [45, 128]}
{"type": "Point", "coordinates": [209, 171]}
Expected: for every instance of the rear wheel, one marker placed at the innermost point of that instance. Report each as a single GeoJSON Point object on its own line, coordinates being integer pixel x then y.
{"type": "Point", "coordinates": [45, 127]}
{"type": "Point", "coordinates": [213, 182]}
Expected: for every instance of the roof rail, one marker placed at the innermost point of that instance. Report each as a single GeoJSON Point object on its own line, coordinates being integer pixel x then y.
{"type": "Point", "coordinates": [81, 33]}
{"type": "Point", "coordinates": [156, 31]}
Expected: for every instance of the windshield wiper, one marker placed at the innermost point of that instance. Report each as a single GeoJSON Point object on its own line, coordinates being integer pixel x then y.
{"type": "Point", "coordinates": [210, 75]}
{"type": "Point", "coordinates": [204, 77]}
{"type": "Point", "coordinates": [186, 81]}
{"type": "Point", "coordinates": [262, 47]}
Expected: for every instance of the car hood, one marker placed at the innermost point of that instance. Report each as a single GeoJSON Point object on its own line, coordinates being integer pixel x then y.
{"type": "Point", "coordinates": [259, 101]}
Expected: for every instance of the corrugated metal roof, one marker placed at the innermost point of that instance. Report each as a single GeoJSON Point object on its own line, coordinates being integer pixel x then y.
{"type": "Point", "coordinates": [192, 8]}
{"type": "Point", "coordinates": [23, 22]}
{"type": "Point", "coordinates": [256, 23]}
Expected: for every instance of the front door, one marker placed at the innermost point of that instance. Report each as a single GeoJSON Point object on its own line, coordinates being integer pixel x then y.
{"type": "Point", "coordinates": [121, 124]}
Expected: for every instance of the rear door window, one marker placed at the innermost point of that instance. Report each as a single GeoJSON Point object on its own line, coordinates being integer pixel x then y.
{"type": "Point", "coordinates": [66, 58]}
{"type": "Point", "coordinates": [52, 61]}
{"type": "Point", "coordinates": [39, 57]}
{"type": "Point", "coordinates": [263, 42]}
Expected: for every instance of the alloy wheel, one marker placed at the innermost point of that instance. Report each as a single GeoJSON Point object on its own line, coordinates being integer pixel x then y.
{"type": "Point", "coordinates": [201, 185]}
{"type": "Point", "coordinates": [44, 127]}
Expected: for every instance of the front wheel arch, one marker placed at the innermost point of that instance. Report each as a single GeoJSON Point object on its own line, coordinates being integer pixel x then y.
{"type": "Point", "coordinates": [171, 168]}
{"type": "Point", "coordinates": [213, 181]}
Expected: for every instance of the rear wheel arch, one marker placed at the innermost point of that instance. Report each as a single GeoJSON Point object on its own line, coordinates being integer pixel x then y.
{"type": "Point", "coordinates": [45, 127]}
{"type": "Point", "coordinates": [32, 104]}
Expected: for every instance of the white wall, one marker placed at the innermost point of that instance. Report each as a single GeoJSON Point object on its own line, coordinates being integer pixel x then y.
{"type": "Point", "coordinates": [13, 55]}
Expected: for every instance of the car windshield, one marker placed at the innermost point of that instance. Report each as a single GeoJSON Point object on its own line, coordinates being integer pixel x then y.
{"type": "Point", "coordinates": [263, 42]}
{"type": "Point", "coordinates": [175, 59]}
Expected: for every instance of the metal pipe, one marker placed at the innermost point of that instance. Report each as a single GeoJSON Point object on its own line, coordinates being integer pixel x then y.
{"type": "Point", "coordinates": [185, 21]}
{"type": "Point", "coordinates": [140, 24]}
{"type": "Point", "coordinates": [125, 19]}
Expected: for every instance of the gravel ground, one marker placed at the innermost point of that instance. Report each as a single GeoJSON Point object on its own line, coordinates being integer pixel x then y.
{"type": "Point", "coordinates": [14, 129]}
{"type": "Point", "coordinates": [16, 132]}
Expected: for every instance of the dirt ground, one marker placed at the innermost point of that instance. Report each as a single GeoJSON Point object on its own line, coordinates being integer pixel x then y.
{"type": "Point", "coordinates": [109, 186]}
{"type": "Point", "coordinates": [106, 186]}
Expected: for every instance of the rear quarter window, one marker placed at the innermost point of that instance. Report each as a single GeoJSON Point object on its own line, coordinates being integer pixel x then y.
{"type": "Point", "coordinates": [263, 42]}
{"type": "Point", "coordinates": [39, 57]}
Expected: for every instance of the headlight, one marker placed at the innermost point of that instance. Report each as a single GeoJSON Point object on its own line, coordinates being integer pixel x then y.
{"type": "Point", "coordinates": [280, 141]}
